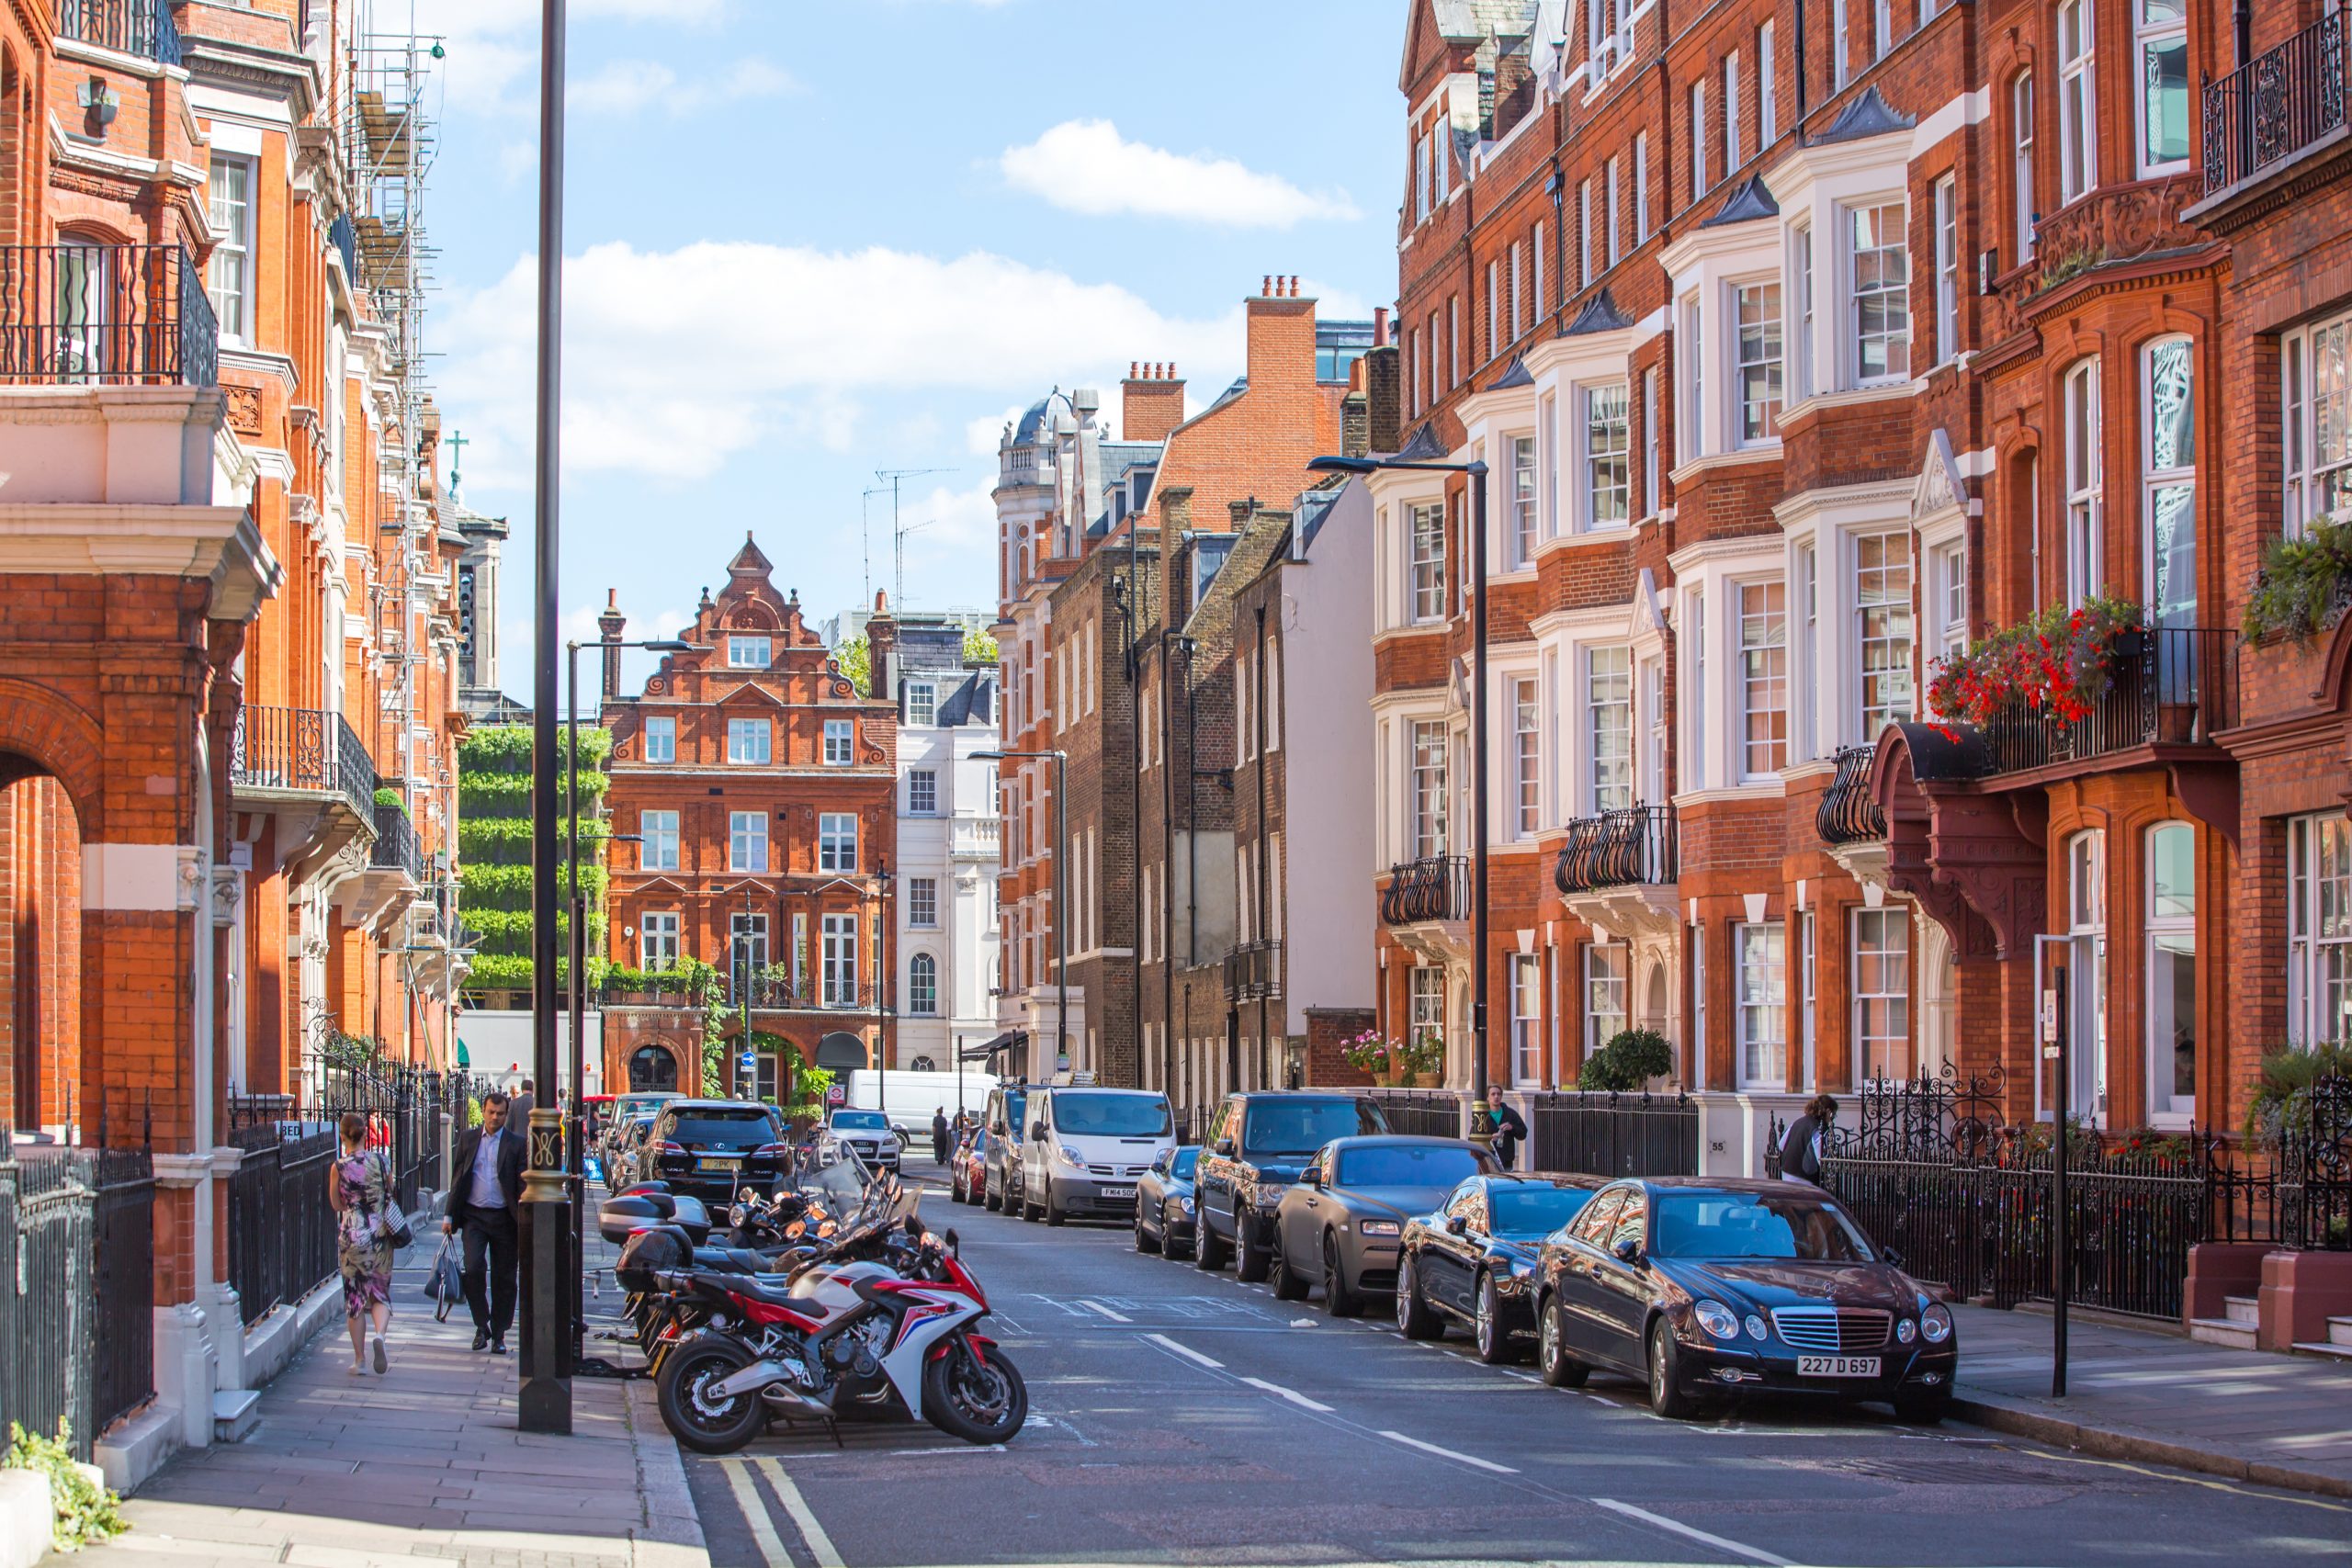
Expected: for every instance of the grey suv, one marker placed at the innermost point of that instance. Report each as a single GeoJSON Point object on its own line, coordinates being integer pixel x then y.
{"type": "Point", "coordinates": [1259, 1144]}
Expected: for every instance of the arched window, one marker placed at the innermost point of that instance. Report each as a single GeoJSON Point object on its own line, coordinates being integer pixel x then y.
{"type": "Point", "coordinates": [2021, 171]}
{"type": "Point", "coordinates": [922, 985]}
{"type": "Point", "coordinates": [2085, 506]}
{"type": "Point", "coordinates": [2172, 970]}
{"type": "Point", "coordinates": [2168, 458]}
{"type": "Point", "coordinates": [2085, 959]}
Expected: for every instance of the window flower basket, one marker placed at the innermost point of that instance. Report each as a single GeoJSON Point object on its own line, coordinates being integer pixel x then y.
{"type": "Point", "coordinates": [2057, 664]}
{"type": "Point", "coordinates": [1373, 1052]}
{"type": "Point", "coordinates": [2304, 585]}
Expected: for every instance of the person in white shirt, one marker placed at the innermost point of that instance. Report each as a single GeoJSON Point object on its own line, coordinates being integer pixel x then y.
{"type": "Point", "coordinates": [485, 1190]}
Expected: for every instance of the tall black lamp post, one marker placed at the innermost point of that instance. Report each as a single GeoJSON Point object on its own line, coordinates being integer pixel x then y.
{"type": "Point", "coordinates": [1060, 760]}
{"type": "Point", "coordinates": [1480, 700]}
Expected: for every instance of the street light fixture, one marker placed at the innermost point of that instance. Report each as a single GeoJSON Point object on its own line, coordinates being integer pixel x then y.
{"type": "Point", "coordinates": [1061, 888]}
{"type": "Point", "coordinates": [1479, 701]}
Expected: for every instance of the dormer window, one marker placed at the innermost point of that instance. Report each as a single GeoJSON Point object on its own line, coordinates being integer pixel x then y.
{"type": "Point", "coordinates": [838, 753]}
{"type": "Point", "coordinates": [923, 703]}
{"type": "Point", "coordinates": [747, 652]}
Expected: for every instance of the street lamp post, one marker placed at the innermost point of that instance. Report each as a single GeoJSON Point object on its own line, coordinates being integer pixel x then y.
{"type": "Point", "coordinates": [1479, 702]}
{"type": "Point", "coordinates": [1061, 888]}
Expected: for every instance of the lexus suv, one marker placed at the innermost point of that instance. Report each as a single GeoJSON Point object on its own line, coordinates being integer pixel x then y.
{"type": "Point", "coordinates": [1257, 1146]}
{"type": "Point", "coordinates": [712, 1147]}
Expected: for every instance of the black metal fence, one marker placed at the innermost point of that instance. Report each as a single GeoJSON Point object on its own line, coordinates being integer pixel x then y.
{"type": "Point", "coordinates": [302, 749]}
{"type": "Point", "coordinates": [1253, 971]}
{"type": "Point", "coordinates": [1436, 887]}
{"type": "Point", "coordinates": [111, 315]}
{"type": "Point", "coordinates": [1619, 849]}
{"type": "Point", "coordinates": [1614, 1134]}
{"type": "Point", "coordinates": [77, 1271]}
{"type": "Point", "coordinates": [143, 27]}
{"type": "Point", "coordinates": [1423, 1112]}
{"type": "Point", "coordinates": [2275, 105]}
{"type": "Point", "coordinates": [122, 1374]}
{"type": "Point", "coordinates": [1848, 813]}
{"type": "Point", "coordinates": [2175, 685]}
{"type": "Point", "coordinates": [281, 1228]}
{"type": "Point", "coordinates": [396, 847]}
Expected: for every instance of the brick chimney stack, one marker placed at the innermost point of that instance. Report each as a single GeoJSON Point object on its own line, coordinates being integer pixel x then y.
{"type": "Point", "coordinates": [1281, 334]}
{"type": "Point", "coordinates": [881, 650]}
{"type": "Point", "coordinates": [1152, 402]}
{"type": "Point", "coordinates": [609, 624]}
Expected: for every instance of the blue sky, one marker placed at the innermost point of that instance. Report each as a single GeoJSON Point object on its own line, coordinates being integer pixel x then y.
{"type": "Point", "coordinates": [808, 242]}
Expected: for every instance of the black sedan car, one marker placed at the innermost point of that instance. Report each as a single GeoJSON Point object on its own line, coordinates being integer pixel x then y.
{"type": "Point", "coordinates": [1474, 1260]}
{"type": "Point", "coordinates": [1705, 1289]}
{"type": "Point", "coordinates": [711, 1147]}
{"type": "Point", "coordinates": [1164, 1202]}
{"type": "Point", "coordinates": [1339, 1225]}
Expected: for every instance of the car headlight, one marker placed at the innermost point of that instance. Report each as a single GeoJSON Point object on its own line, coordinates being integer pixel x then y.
{"type": "Point", "coordinates": [1071, 1156]}
{"type": "Point", "coordinates": [1905, 1332]}
{"type": "Point", "coordinates": [1268, 1196]}
{"type": "Point", "coordinates": [1717, 1319]}
{"type": "Point", "coordinates": [1376, 1227]}
{"type": "Point", "coordinates": [1755, 1327]}
{"type": "Point", "coordinates": [1182, 1205]}
{"type": "Point", "coordinates": [1935, 1324]}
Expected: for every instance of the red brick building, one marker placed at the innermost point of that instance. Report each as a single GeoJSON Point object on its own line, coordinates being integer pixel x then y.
{"type": "Point", "coordinates": [760, 787]}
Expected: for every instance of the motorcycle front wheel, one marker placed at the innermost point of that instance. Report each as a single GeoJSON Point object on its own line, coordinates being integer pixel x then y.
{"type": "Point", "coordinates": [698, 1418]}
{"type": "Point", "coordinates": [975, 1394]}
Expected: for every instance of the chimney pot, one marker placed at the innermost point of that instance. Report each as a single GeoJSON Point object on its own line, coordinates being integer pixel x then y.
{"type": "Point", "coordinates": [1293, 286]}
{"type": "Point", "coordinates": [1380, 327]}
{"type": "Point", "coordinates": [1265, 286]}
{"type": "Point", "coordinates": [1131, 370]}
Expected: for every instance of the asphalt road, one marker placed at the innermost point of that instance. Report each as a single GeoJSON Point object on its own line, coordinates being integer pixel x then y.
{"type": "Point", "coordinates": [1182, 1417]}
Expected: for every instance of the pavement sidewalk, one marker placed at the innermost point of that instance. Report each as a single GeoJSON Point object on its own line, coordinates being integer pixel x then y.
{"type": "Point", "coordinates": [351, 1471]}
{"type": "Point", "coordinates": [2133, 1394]}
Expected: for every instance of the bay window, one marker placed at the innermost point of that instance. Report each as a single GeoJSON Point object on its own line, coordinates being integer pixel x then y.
{"type": "Point", "coordinates": [2168, 510]}
{"type": "Point", "coordinates": [1426, 523]}
{"type": "Point", "coordinates": [1883, 613]}
{"type": "Point", "coordinates": [1609, 709]}
{"type": "Point", "coordinates": [1764, 677]}
{"type": "Point", "coordinates": [1802, 265]}
{"type": "Point", "coordinates": [1756, 311]}
{"type": "Point", "coordinates": [1427, 763]}
{"type": "Point", "coordinates": [2077, 102]}
{"type": "Point", "coordinates": [2319, 930]}
{"type": "Point", "coordinates": [1691, 422]}
{"type": "Point", "coordinates": [2084, 508]}
{"type": "Point", "coordinates": [1606, 992]}
{"type": "Point", "coordinates": [2162, 75]}
{"type": "Point", "coordinates": [1522, 500]}
{"type": "Point", "coordinates": [1608, 478]}
{"type": "Point", "coordinates": [2172, 970]}
{"type": "Point", "coordinates": [1527, 757]}
{"type": "Point", "coordinates": [2315, 410]}
{"type": "Point", "coordinates": [1762, 976]}
{"type": "Point", "coordinates": [1881, 293]}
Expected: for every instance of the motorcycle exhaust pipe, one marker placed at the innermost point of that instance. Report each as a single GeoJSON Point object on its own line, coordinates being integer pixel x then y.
{"type": "Point", "coordinates": [750, 1379]}
{"type": "Point", "coordinates": [791, 1403]}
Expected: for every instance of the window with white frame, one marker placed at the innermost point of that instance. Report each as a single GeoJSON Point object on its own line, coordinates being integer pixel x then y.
{"type": "Point", "coordinates": [1800, 246]}
{"type": "Point", "coordinates": [2161, 29]}
{"type": "Point", "coordinates": [657, 939]}
{"type": "Point", "coordinates": [747, 652]}
{"type": "Point", "coordinates": [228, 274]}
{"type": "Point", "coordinates": [1761, 972]}
{"type": "Point", "coordinates": [747, 841]}
{"type": "Point", "coordinates": [748, 741]}
{"type": "Point", "coordinates": [1881, 28]}
{"type": "Point", "coordinates": [1583, 234]}
{"type": "Point", "coordinates": [2077, 102]}
{"type": "Point", "coordinates": [657, 848]}
{"type": "Point", "coordinates": [1425, 524]}
{"type": "Point", "coordinates": [1245, 738]}
{"type": "Point", "coordinates": [1609, 709]}
{"type": "Point", "coordinates": [1527, 756]}
{"type": "Point", "coordinates": [1427, 762]}
{"type": "Point", "coordinates": [1950, 588]}
{"type": "Point", "coordinates": [660, 739]}
{"type": "Point", "coordinates": [1947, 271]}
{"type": "Point", "coordinates": [2021, 163]}
{"type": "Point", "coordinates": [2085, 500]}
{"type": "Point", "coordinates": [837, 841]}
{"type": "Point", "coordinates": [1698, 140]}
{"type": "Point", "coordinates": [838, 737]}
{"type": "Point", "coordinates": [1517, 296]}
{"type": "Point", "coordinates": [1607, 992]}
{"type": "Point", "coordinates": [1698, 937]}
{"type": "Point", "coordinates": [922, 901]}
{"type": "Point", "coordinates": [1651, 442]}
{"type": "Point", "coordinates": [1494, 311]}
{"type": "Point", "coordinates": [1805, 989]}
{"type": "Point", "coordinates": [1731, 114]}
{"type": "Point", "coordinates": [1274, 703]}
{"type": "Point", "coordinates": [922, 985]}
{"type": "Point", "coordinates": [1756, 308]}
{"type": "Point", "coordinates": [923, 703]}
{"type": "Point", "coordinates": [1840, 42]}
{"type": "Point", "coordinates": [2168, 415]}
{"type": "Point", "coordinates": [1688, 424]}
{"type": "Point", "coordinates": [1764, 677]}
{"type": "Point", "coordinates": [1614, 215]}
{"type": "Point", "coordinates": [2086, 905]}
{"type": "Point", "coordinates": [1882, 993]}
{"type": "Point", "coordinates": [1882, 623]}
{"type": "Point", "coordinates": [2316, 414]}
{"type": "Point", "coordinates": [1881, 293]}
{"type": "Point", "coordinates": [837, 973]}
{"type": "Point", "coordinates": [1642, 187]}
{"type": "Point", "coordinates": [1535, 260]}
{"type": "Point", "coordinates": [1608, 440]}
{"type": "Point", "coordinates": [1652, 782]}
{"type": "Point", "coordinates": [1421, 179]}
{"type": "Point", "coordinates": [2319, 930]}
{"type": "Point", "coordinates": [1441, 154]}
{"type": "Point", "coordinates": [1697, 776]}
{"type": "Point", "coordinates": [1425, 1001]}
{"type": "Point", "coordinates": [1526, 1018]}
{"type": "Point", "coordinates": [1767, 112]}
{"type": "Point", "coordinates": [1547, 460]}
{"type": "Point", "coordinates": [1807, 577]}
{"type": "Point", "coordinates": [923, 792]}
{"type": "Point", "coordinates": [1522, 500]}
{"type": "Point", "coordinates": [2172, 970]}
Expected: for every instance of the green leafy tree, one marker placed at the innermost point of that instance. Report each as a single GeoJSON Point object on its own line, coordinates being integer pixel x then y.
{"type": "Point", "coordinates": [856, 655]}
{"type": "Point", "coordinates": [979, 646]}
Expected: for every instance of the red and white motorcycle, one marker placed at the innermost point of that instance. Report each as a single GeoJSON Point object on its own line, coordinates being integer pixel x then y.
{"type": "Point", "coordinates": [888, 1320]}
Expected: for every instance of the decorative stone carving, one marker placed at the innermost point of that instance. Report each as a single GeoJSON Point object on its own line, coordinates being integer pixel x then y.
{"type": "Point", "coordinates": [2102, 229]}
{"type": "Point", "coordinates": [1941, 488]}
{"type": "Point", "coordinates": [244, 409]}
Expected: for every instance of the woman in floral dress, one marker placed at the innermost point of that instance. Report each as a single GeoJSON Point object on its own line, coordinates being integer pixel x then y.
{"type": "Point", "coordinates": [358, 1185]}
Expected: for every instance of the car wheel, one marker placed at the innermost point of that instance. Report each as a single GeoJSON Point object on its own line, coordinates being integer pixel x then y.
{"type": "Point", "coordinates": [1552, 1359]}
{"type": "Point", "coordinates": [1415, 1320]}
{"type": "Point", "coordinates": [1053, 1210]}
{"type": "Point", "coordinates": [992, 1201]}
{"type": "Point", "coordinates": [1249, 1260]}
{"type": "Point", "coordinates": [1209, 1253]}
{"type": "Point", "coordinates": [1289, 1286]}
{"type": "Point", "coordinates": [1145, 1240]}
{"type": "Point", "coordinates": [1171, 1244]}
{"type": "Point", "coordinates": [1922, 1408]}
{"type": "Point", "coordinates": [1666, 1397]}
{"type": "Point", "coordinates": [1487, 1323]}
{"type": "Point", "coordinates": [1338, 1299]}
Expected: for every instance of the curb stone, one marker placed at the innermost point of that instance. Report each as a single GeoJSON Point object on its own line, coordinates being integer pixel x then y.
{"type": "Point", "coordinates": [2017, 1419]}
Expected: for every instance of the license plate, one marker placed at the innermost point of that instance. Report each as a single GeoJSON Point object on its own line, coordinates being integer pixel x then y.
{"type": "Point", "coordinates": [1838, 1366]}
{"type": "Point", "coordinates": [709, 1162]}
{"type": "Point", "coordinates": [1118, 1192]}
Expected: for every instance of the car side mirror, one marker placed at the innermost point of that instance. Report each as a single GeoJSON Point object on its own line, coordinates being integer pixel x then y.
{"type": "Point", "coordinates": [1038, 1132]}
{"type": "Point", "coordinates": [1625, 1249]}
{"type": "Point", "coordinates": [1890, 1258]}
{"type": "Point", "coordinates": [1315, 1179]}
{"type": "Point", "coordinates": [1455, 1225]}
{"type": "Point", "coordinates": [1225, 1147]}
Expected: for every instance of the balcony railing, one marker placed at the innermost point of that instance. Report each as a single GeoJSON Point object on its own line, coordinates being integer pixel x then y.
{"type": "Point", "coordinates": [983, 836]}
{"type": "Point", "coordinates": [302, 749]}
{"type": "Point", "coordinates": [345, 239]}
{"type": "Point", "coordinates": [397, 848]}
{"type": "Point", "coordinates": [1253, 972]}
{"type": "Point", "coordinates": [2172, 686]}
{"type": "Point", "coordinates": [1619, 849]}
{"type": "Point", "coordinates": [809, 992]}
{"type": "Point", "coordinates": [143, 27]}
{"type": "Point", "coordinates": [1850, 813]}
{"type": "Point", "coordinates": [1435, 887]}
{"type": "Point", "coordinates": [2275, 104]}
{"type": "Point", "coordinates": [105, 315]}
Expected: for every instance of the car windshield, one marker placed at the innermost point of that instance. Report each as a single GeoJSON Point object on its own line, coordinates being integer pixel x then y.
{"type": "Point", "coordinates": [1754, 1224]}
{"type": "Point", "coordinates": [1111, 1115]}
{"type": "Point", "coordinates": [1185, 1160]}
{"type": "Point", "coordinates": [1528, 1211]}
{"type": "Point", "coordinates": [1015, 1106]}
{"type": "Point", "coordinates": [1303, 1126]}
{"type": "Point", "coordinates": [861, 1121]}
{"type": "Point", "coordinates": [720, 1126]}
{"type": "Point", "coordinates": [1406, 1164]}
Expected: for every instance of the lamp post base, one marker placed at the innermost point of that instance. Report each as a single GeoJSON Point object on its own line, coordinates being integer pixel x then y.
{"type": "Point", "coordinates": [544, 1403]}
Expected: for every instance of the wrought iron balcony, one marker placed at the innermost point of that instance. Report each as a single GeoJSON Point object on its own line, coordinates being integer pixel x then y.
{"type": "Point", "coordinates": [1630, 848]}
{"type": "Point", "coordinates": [302, 750]}
{"type": "Point", "coordinates": [801, 993]}
{"type": "Point", "coordinates": [345, 239]}
{"type": "Point", "coordinates": [1253, 971]}
{"type": "Point", "coordinates": [1435, 887]}
{"type": "Point", "coordinates": [2275, 106]}
{"type": "Point", "coordinates": [143, 27]}
{"type": "Point", "coordinates": [2174, 686]}
{"type": "Point", "coordinates": [105, 315]}
{"type": "Point", "coordinates": [1850, 813]}
{"type": "Point", "coordinates": [396, 847]}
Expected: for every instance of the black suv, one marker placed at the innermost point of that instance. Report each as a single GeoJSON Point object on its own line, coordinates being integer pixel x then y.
{"type": "Point", "coordinates": [1257, 1146]}
{"type": "Point", "coordinates": [712, 1147]}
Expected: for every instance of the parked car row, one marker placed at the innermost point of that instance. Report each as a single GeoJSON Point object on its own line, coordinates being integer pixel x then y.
{"type": "Point", "coordinates": [1058, 1151]}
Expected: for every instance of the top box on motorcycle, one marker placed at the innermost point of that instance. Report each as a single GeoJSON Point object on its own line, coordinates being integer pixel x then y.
{"type": "Point", "coordinates": [619, 1217]}
{"type": "Point", "coordinates": [660, 1248]}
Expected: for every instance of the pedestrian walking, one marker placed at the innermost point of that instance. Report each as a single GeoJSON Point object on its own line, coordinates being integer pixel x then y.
{"type": "Point", "coordinates": [518, 1110]}
{"type": "Point", "coordinates": [485, 1196]}
{"type": "Point", "coordinates": [358, 1186]}
{"type": "Point", "coordinates": [1510, 1128]}
{"type": "Point", "coordinates": [939, 1135]}
{"type": "Point", "coordinates": [1800, 1144]}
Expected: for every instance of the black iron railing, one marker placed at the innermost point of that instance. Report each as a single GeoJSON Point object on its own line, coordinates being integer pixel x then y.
{"type": "Point", "coordinates": [1435, 887]}
{"type": "Point", "coordinates": [116, 315]}
{"type": "Point", "coordinates": [1619, 849]}
{"type": "Point", "coordinates": [281, 1231]}
{"type": "Point", "coordinates": [143, 27]}
{"type": "Point", "coordinates": [396, 847]}
{"type": "Point", "coordinates": [1848, 812]}
{"type": "Point", "coordinates": [809, 991]}
{"type": "Point", "coordinates": [1614, 1134]}
{"type": "Point", "coordinates": [123, 1245]}
{"type": "Point", "coordinates": [345, 239]}
{"type": "Point", "coordinates": [2175, 685]}
{"type": "Point", "coordinates": [1428, 1114]}
{"type": "Point", "coordinates": [1253, 971]}
{"type": "Point", "coordinates": [2275, 105]}
{"type": "Point", "coordinates": [302, 749]}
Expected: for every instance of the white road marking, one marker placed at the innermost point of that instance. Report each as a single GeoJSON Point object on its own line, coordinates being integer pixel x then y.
{"type": "Point", "coordinates": [1106, 1311]}
{"type": "Point", "coordinates": [821, 1545]}
{"type": "Point", "coordinates": [1721, 1543]}
{"type": "Point", "coordinates": [1186, 1351]}
{"type": "Point", "coordinates": [1290, 1394]}
{"type": "Point", "coordinates": [755, 1513]}
{"type": "Point", "coordinates": [1448, 1453]}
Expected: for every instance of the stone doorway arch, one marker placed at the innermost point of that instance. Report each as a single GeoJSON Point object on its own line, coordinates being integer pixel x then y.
{"type": "Point", "coordinates": [652, 1068]}
{"type": "Point", "coordinates": [841, 1052]}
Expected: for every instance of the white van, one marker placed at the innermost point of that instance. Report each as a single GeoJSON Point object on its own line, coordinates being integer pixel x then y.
{"type": "Point", "coordinates": [912, 1098]}
{"type": "Point", "coordinates": [1083, 1149]}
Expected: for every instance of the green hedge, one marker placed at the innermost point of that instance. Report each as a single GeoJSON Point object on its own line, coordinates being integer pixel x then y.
{"type": "Point", "coordinates": [506, 748]}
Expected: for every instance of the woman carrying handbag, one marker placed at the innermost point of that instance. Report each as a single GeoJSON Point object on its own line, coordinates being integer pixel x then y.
{"type": "Point", "coordinates": [359, 1188]}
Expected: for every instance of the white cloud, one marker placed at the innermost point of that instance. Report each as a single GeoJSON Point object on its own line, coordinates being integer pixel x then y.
{"type": "Point", "coordinates": [492, 46]}
{"type": "Point", "coordinates": [1085, 166]}
{"type": "Point", "coordinates": [626, 86]}
{"type": "Point", "coordinates": [675, 361]}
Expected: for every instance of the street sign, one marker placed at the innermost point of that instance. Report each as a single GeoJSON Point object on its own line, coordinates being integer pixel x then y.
{"type": "Point", "coordinates": [2050, 1016]}
{"type": "Point", "coordinates": [836, 1094]}
{"type": "Point", "coordinates": [748, 1062]}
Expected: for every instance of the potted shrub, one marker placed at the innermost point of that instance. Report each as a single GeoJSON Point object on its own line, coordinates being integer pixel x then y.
{"type": "Point", "coordinates": [2304, 585]}
{"type": "Point", "coordinates": [1425, 1059]}
{"type": "Point", "coordinates": [1373, 1052]}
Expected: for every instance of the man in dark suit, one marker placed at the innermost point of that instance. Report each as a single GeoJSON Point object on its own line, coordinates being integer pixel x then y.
{"type": "Point", "coordinates": [485, 1203]}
